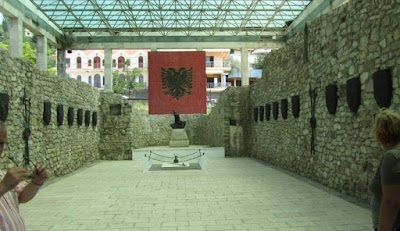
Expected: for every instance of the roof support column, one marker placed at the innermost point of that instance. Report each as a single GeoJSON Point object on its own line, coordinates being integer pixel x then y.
{"type": "Point", "coordinates": [245, 66]}
{"type": "Point", "coordinates": [16, 31]}
{"type": "Point", "coordinates": [61, 63]}
{"type": "Point", "coordinates": [41, 52]}
{"type": "Point", "coordinates": [108, 86]}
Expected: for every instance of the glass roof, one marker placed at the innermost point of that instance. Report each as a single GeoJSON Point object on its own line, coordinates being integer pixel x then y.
{"type": "Point", "coordinates": [171, 17]}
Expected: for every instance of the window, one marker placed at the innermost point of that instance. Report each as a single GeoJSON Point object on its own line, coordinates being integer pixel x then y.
{"type": "Point", "coordinates": [104, 80]}
{"type": "Point", "coordinates": [67, 62]}
{"type": "Point", "coordinates": [114, 63]}
{"type": "Point", "coordinates": [96, 62]}
{"type": "Point", "coordinates": [97, 81]}
{"type": "Point", "coordinates": [121, 62]}
{"type": "Point", "coordinates": [209, 61]}
{"type": "Point", "coordinates": [69, 51]}
{"type": "Point", "coordinates": [102, 62]}
{"type": "Point", "coordinates": [141, 78]}
{"type": "Point", "coordinates": [79, 78]}
{"type": "Point", "coordinates": [79, 62]}
{"type": "Point", "coordinates": [90, 80]}
{"type": "Point", "coordinates": [140, 61]}
{"type": "Point", "coordinates": [89, 63]}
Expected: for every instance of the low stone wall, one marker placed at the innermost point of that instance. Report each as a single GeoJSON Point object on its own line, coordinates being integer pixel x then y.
{"type": "Point", "coordinates": [62, 149]}
{"type": "Point", "coordinates": [355, 40]}
{"type": "Point", "coordinates": [125, 127]}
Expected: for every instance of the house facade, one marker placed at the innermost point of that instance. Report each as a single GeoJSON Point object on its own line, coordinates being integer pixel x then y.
{"type": "Point", "coordinates": [88, 66]}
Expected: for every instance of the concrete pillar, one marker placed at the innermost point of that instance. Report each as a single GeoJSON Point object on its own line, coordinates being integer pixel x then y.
{"type": "Point", "coordinates": [16, 31]}
{"type": "Point", "coordinates": [61, 69]}
{"type": "Point", "coordinates": [41, 52]}
{"type": "Point", "coordinates": [245, 67]}
{"type": "Point", "coordinates": [234, 82]}
{"type": "Point", "coordinates": [215, 82]}
{"type": "Point", "coordinates": [108, 86]}
{"type": "Point", "coordinates": [223, 80]}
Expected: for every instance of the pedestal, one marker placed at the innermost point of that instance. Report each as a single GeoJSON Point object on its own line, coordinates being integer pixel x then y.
{"type": "Point", "coordinates": [179, 138]}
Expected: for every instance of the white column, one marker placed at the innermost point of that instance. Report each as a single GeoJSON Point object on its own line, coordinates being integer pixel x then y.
{"type": "Point", "coordinates": [61, 63]}
{"type": "Point", "coordinates": [108, 86]}
{"type": "Point", "coordinates": [245, 67]}
{"type": "Point", "coordinates": [215, 82]}
{"type": "Point", "coordinates": [223, 80]}
{"type": "Point", "coordinates": [16, 31]}
{"type": "Point", "coordinates": [41, 52]}
{"type": "Point", "coordinates": [234, 82]}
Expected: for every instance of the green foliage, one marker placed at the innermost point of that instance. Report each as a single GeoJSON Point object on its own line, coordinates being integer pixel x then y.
{"type": "Point", "coordinates": [4, 29]}
{"type": "Point", "coordinates": [29, 52]}
{"type": "Point", "coordinates": [52, 71]}
{"type": "Point", "coordinates": [28, 46]}
{"type": "Point", "coordinates": [4, 45]}
{"type": "Point", "coordinates": [259, 62]}
{"type": "Point", "coordinates": [125, 80]}
{"type": "Point", "coordinates": [234, 63]}
{"type": "Point", "coordinates": [141, 105]}
{"type": "Point", "coordinates": [118, 82]}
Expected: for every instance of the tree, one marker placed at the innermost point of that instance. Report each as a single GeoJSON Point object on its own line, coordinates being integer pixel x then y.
{"type": "Point", "coordinates": [234, 63]}
{"type": "Point", "coordinates": [28, 46]}
{"type": "Point", "coordinates": [29, 52]}
{"type": "Point", "coordinates": [125, 80]}
{"type": "Point", "coordinates": [4, 29]}
{"type": "Point", "coordinates": [259, 62]}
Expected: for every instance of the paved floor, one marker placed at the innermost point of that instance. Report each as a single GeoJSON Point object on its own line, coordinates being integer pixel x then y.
{"type": "Point", "coordinates": [232, 194]}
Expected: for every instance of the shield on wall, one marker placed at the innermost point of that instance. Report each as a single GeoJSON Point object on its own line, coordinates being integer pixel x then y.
{"type": "Point", "coordinates": [353, 92]}
{"type": "Point", "coordinates": [4, 102]}
{"type": "Point", "coordinates": [267, 111]}
{"type": "Point", "coordinates": [261, 111]}
{"type": "Point", "coordinates": [255, 114]}
{"type": "Point", "coordinates": [383, 90]}
{"type": "Point", "coordinates": [331, 98]}
{"type": "Point", "coordinates": [275, 110]}
{"type": "Point", "coordinates": [284, 108]}
{"type": "Point", "coordinates": [46, 112]}
{"type": "Point", "coordinates": [296, 106]}
{"type": "Point", "coordinates": [70, 116]}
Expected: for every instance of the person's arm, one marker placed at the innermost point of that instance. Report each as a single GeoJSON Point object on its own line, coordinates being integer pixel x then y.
{"type": "Point", "coordinates": [39, 176]}
{"type": "Point", "coordinates": [390, 205]}
{"type": "Point", "coordinates": [12, 178]}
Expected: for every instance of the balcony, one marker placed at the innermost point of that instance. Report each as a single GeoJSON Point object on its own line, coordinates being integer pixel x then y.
{"type": "Point", "coordinates": [218, 85]}
{"type": "Point", "coordinates": [218, 64]}
{"type": "Point", "coordinates": [253, 73]}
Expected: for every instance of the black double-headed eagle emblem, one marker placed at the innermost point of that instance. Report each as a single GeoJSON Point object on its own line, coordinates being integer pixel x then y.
{"type": "Point", "coordinates": [177, 83]}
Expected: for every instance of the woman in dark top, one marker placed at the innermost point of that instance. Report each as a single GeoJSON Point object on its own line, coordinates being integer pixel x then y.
{"type": "Point", "coordinates": [385, 185]}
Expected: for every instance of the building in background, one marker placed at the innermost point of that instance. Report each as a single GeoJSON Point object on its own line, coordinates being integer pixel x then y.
{"type": "Point", "coordinates": [88, 66]}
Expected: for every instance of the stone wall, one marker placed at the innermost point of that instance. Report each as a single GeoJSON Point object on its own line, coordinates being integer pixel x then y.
{"type": "Point", "coordinates": [62, 149]}
{"type": "Point", "coordinates": [355, 40]}
{"type": "Point", "coordinates": [134, 128]}
{"type": "Point", "coordinates": [225, 126]}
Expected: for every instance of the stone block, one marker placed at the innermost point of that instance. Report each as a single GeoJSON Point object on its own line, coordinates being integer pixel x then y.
{"type": "Point", "coordinates": [179, 138]}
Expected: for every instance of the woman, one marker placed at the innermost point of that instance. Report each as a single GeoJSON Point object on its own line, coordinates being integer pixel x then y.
{"type": "Point", "coordinates": [385, 185]}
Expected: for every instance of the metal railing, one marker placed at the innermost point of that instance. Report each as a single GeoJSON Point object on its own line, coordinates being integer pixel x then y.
{"type": "Point", "coordinates": [218, 85]}
{"type": "Point", "coordinates": [218, 64]}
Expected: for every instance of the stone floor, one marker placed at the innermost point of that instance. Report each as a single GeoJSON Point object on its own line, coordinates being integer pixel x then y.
{"type": "Point", "coordinates": [231, 194]}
